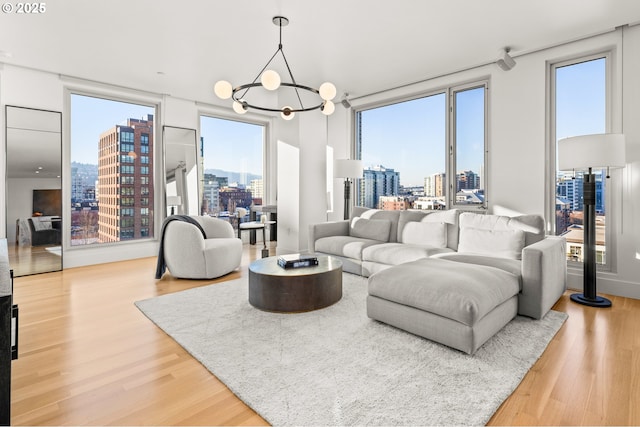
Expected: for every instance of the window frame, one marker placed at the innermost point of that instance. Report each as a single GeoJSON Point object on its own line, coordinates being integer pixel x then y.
{"type": "Point", "coordinates": [450, 142]}
{"type": "Point", "coordinates": [252, 119]}
{"type": "Point", "coordinates": [131, 98]}
{"type": "Point", "coordinates": [552, 166]}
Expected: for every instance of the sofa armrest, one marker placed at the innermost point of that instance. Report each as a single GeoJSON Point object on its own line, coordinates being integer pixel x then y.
{"type": "Point", "coordinates": [327, 229]}
{"type": "Point", "coordinates": [544, 276]}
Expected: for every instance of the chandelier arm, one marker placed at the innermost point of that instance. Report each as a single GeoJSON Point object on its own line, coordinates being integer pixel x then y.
{"type": "Point", "coordinates": [293, 80]}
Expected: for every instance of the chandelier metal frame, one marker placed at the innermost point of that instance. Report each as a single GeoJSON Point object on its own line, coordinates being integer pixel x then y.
{"type": "Point", "coordinates": [238, 93]}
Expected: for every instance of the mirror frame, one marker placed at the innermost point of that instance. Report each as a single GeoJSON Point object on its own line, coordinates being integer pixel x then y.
{"type": "Point", "coordinates": [54, 126]}
{"type": "Point", "coordinates": [187, 201]}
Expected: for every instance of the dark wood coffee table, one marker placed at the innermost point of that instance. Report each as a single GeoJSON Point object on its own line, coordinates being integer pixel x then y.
{"type": "Point", "coordinates": [293, 290]}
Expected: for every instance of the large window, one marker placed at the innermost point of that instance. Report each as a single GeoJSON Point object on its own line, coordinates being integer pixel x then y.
{"type": "Point", "coordinates": [580, 108]}
{"type": "Point", "coordinates": [107, 140]}
{"type": "Point", "coordinates": [411, 161]}
{"type": "Point", "coordinates": [233, 154]}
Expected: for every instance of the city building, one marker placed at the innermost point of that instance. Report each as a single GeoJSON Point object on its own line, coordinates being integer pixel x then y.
{"type": "Point", "coordinates": [467, 180]}
{"type": "Point", "coordinates": [435, 185]}
{"type": "Point", "coordinates": [393, 203]}
{"type": "Point", "coordinates": [125, 181]}
{"type": "Point", "coordinates": [378, 181]}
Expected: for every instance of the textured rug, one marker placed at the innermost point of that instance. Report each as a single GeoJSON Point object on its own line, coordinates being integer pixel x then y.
{"type": "Point", "coordinates": [336, 366]}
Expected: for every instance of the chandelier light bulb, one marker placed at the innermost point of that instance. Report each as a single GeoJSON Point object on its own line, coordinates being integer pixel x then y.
{"type": "Point", "coordinates": [270, 80]}
{"type": "Point", "coordinates": [239, 107]}
{"type": "Point", "coordinates": [327, 91]}
{"type": "Point", "coordinates": [287, 114]}
{"type": "Point", "coordinates": [223, 89]}
{"type": "Point", "coordinates": [328, 108]}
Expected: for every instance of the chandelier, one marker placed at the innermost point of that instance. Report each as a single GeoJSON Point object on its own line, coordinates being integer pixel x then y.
{"type": "Point", "coordinates": [271, 81]}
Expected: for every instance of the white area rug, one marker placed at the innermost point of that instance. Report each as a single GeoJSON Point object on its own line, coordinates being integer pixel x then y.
{"type": "Point", "coordinates": [336, 366]}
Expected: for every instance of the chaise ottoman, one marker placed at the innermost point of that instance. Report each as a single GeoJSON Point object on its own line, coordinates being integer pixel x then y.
{"type": "Point", "coordinates": [455, 304]}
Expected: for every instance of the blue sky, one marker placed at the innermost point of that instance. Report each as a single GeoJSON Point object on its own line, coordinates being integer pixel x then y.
{"type": "Point", "coordinates": [231, 145]}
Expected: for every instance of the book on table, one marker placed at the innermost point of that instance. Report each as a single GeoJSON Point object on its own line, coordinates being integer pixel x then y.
{"type": "Point", "coordinates": [297, 261]}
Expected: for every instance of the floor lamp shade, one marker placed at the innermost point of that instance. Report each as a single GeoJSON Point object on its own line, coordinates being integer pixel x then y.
{"type": "Point", "coordinates": [591, 151]}
{"type": "Point", "coordinates": [587, 152]}
{"type": "Point", "coordinates": [347, 169]}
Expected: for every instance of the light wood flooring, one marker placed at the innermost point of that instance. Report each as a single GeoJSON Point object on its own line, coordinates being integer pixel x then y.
{"type": "Point", "coordinates": [89, 357]}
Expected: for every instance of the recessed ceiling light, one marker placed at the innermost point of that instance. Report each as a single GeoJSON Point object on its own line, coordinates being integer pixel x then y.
{"type": "Point", "coordinates": [40, 168]}
{"type": "Point", "coordinates": [37, 171]}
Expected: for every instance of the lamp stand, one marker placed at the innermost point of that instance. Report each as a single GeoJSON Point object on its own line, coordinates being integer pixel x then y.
{"type": "Point", "coordinates": [589, 297]}
{"type": "Point", "coordinates": [347, 198]}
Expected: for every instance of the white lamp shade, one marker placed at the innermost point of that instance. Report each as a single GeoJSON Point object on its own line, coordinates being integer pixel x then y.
{"type": "Point", "coordinates": [591, 151]}
{"type": "Point", "coordinates": [328, 108]}
{"type": "Point", "coordinates": [238, 107]}
{"type": "Point", "coordinates": [270, 80]}
{"type": "Point", "coordinates": [347, 168]}
{"type": "Point", "coordinates": [286, 113]}
{"type": "Point", "coordinates": [174, 200]}
{"type": "Point", "coordinates": [327, 91]}
{"type": "Point", "coordinates": [223, 89]}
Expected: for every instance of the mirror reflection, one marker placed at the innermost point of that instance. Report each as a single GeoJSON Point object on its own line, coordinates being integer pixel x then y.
{"type": "Point", "coordinates": [181, 171]}
{"type": "Point", "coordinates": [34, 190]}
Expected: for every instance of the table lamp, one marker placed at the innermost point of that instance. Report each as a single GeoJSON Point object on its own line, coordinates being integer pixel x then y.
{"type": "Point", "coordinates": [588, 152]}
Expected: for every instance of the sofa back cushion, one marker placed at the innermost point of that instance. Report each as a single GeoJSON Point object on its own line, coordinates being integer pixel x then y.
{"type": "Point", "coordinates": [391, 216]}
{"type": "Point", "coordinates": [531, 225]}
{"type": "Point", "coordinates": [498, 243]}
{"type": "Point", "coordinates": [373, 229]}
{"type": "Point", "coordinates": [431, 234]}
{"type": "Point", "coordinates": [448, 217]}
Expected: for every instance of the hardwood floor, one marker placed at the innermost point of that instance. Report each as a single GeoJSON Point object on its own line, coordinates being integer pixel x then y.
{"type": "Point", "coordinates": [89, 357]}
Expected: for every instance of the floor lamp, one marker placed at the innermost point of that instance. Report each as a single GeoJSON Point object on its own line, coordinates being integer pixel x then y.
{"type": "Point", "coordinates": [588, 152]}
{"type": "Point", "coordinates": [347, 169]}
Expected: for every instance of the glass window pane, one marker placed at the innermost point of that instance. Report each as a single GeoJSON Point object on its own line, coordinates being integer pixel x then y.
{"type": "Point", "coordinates": [106, 140]}
{"type": "Point", "coordinates": [580, 105]}
{"type": "Point", "coordinates": [470, 146]}
{"type": "Point", "coordinates": [233, 155]}
{"type": "Point", "coordinates": [402, 147]}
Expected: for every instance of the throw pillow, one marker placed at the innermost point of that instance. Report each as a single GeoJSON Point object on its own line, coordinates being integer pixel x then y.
{"type": "Point", "coordinates": [374, 229]}
{"type": "Point", "coordinates": [499, 243]}
{"type": "Point", "coordinates": [432, 234]}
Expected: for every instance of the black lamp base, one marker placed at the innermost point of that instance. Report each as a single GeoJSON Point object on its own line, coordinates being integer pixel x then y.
{"type": "Point", "coordinates": [597, 302]}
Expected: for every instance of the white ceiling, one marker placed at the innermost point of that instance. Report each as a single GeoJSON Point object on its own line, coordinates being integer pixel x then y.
{"type": "Point", "coordinates": [182, 48]}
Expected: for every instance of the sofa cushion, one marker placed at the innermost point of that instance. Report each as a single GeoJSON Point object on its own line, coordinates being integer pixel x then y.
{"type": "Point", "coordinates": [449, 217]}
{"type": "Point", "coordinates": [512, 266]}
{"type": "Point", "coordinates": [432, 234]}
{"type": "Point", "coordinates": [532, 225]}
{"type": "Point", "coordinates": [374, 229]}
{"type": "Point", "coordinates": [463, 292]}
{"type": "Point", "coordinates": [499, 243]}
{"type": "Point", "coordinates": [398, 253]}
{"type": "Point", "coordinates": [392, 216]}
{"type": "Point", "coordinates": [345, 246]}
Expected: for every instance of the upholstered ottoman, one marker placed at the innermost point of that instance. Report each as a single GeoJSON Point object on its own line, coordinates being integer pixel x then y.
{"type": "Point", "coordinates": [455, 304]}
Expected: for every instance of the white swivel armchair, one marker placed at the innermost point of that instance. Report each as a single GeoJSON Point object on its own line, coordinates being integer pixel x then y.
{"type": "Point", "coordinates": [189, 255]}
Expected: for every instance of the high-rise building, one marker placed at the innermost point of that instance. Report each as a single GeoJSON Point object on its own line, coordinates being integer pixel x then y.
{"type": "Point", "coordinates": [257, 189]}
{"type": "Point", "coordinates": [467, 180]}
{"type": "Point", "coordinates": [211, 186]}
{"type": "Point", "coordinates": [378, 181]}
{"type": "Point", "coordinates": [434, 185]}
{"type": "Point", "coordinates": [125, 181]}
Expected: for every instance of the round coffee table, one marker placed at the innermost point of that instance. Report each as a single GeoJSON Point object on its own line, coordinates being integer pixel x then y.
{"type": "Point", "coordinates": [292, 290]}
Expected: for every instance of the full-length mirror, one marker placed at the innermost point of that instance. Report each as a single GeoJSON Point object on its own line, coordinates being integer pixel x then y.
{"type": "Point", "coordinates": [181, 170]}
{"type": "Point", "coordinates": [34, 190]}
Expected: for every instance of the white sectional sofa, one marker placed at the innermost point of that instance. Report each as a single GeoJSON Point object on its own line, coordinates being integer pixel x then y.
{"type": "Point", "coordinates": [450, 276]}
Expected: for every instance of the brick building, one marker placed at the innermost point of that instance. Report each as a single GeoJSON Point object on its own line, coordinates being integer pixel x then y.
{"type": "Point", "coordinates": [125, 181]}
